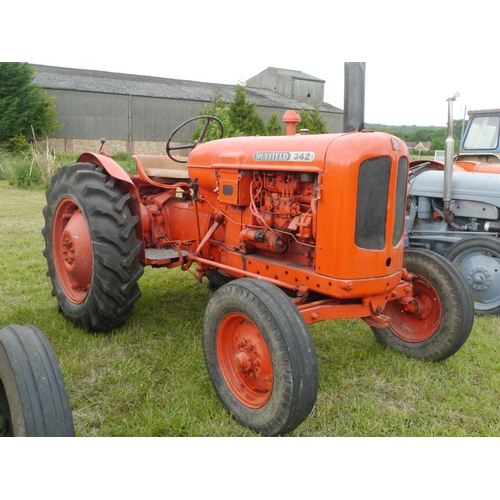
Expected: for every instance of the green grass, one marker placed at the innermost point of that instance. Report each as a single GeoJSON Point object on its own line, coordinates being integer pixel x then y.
{"type": "Point", "coordinates": [148, 378]}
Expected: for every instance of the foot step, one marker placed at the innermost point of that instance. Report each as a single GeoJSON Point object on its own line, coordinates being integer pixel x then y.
{"type": "Point", "coordinates": [164, 254]}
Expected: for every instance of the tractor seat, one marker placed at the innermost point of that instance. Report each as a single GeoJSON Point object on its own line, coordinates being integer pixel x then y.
{"type": "Point", "coordinates": [161, 166]}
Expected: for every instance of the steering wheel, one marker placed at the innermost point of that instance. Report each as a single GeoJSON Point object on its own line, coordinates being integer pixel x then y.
{"type": "Point", "coordinates": [209, 119]}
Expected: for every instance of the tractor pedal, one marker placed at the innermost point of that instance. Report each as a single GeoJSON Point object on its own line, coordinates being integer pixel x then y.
{"type": "Point", "coordinates": [379, 321]}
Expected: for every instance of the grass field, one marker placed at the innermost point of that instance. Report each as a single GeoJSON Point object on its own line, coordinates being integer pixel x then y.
{"type": "Point", "coordinates": [148, 378]}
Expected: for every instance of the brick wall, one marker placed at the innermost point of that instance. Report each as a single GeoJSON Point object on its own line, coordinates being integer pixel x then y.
{"type": "Point", "coordinates": [111, 146]}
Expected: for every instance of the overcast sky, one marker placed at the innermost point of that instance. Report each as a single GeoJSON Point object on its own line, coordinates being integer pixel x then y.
{"type": "Point", "coordinates": [417, 55]}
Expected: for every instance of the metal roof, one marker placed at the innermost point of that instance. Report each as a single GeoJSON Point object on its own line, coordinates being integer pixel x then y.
{"type": "Point", "coordinates": [297, 75]}
{"type": "Point", "coordinates": [56, 78]}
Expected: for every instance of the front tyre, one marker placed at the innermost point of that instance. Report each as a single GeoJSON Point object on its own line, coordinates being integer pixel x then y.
{"type": "Point", "coordinates": [33, 398]}
{"type": "Point", "coordinates": [478, 259]}
{"type": "Point", "coordinates": [91, 247]}
{"type": "Point", "coordinates": [260, 356]}
{"type": "Point", "coordinates": [437, 322]}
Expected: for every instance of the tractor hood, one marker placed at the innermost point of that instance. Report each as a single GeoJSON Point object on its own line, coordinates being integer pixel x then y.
{"type": "Point", "coordinates": [465, 186]}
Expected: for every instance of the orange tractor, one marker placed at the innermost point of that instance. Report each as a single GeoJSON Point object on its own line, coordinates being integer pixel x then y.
{"type": "Point", "coordinates": [290, 230]}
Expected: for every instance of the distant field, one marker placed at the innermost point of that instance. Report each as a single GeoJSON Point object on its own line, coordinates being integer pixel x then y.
{"type": "Point", "coordinates": [148, 378]}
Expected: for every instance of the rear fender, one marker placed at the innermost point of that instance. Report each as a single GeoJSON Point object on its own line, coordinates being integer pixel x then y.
{"type": "Point", "coordinates": [431, 164]}
{"type": "Point", "coordinates": [434, 165]}
{"type": "Point", "coordinates": [110, 165]}
{"type": "Point", "coordinates": [127, 186]}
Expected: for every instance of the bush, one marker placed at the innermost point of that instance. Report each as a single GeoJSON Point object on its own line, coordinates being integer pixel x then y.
{"type": "Point", "coordinates": [126, 162]}
{"type": "Point", "coordinates": [27, 175]}
{"type": "Point", "coordinates": [3, 174]}
{"type": "Point", "coordinates": [30, 169]}
{"type": "Point", "coordinates": [6, 164]}
{"type": "Point", "coordinates": [18, 143]}
{"type": "Point", "coordinates": [34, 168]}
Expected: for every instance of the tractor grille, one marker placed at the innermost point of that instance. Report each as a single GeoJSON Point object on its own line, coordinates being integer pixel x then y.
{"type": "Point", "coordinates": [401, 185]}
{"type": "Point", "coordinates": [371, 210]}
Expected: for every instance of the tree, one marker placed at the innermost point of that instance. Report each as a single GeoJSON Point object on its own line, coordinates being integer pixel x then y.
{"type": "Point", "coordinates": [312, 120]}
{"type": "Point", "coordinates": [217, 108]}
{"type": "Point", "coordinates": [238, 117]}
{"type": "Point", "coordinates": [413, 133]}
{"type": "Point", "coordinates": [25, 108]}
{"type": "Point", "coordinates": [243, 115]}
{"type": "Point", "coordinates": [274, 126]}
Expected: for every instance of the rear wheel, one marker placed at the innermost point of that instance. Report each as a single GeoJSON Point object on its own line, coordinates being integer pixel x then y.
{"type": "Point", "coordinates": [478, 259]}
{"type": "Point", "coordinates": [33, 398]}
{"type": "Point", "coordinates": [260, 356]}
{"type": "Point", "coordinates": [437, 322]}
{"type": "Point", "coordinates": [91, 247]}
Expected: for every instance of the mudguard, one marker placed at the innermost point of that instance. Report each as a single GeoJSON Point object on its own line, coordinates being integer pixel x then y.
{"type": "Point", "coordinates": [471, 186]}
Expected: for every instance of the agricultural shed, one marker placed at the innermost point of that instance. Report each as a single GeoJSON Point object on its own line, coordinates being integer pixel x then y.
{"type": "Point", "coordinates": [136, 114]}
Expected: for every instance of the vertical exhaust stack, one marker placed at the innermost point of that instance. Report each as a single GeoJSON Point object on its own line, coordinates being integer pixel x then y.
{"type": "Point", "coordinates": [449, 147]}
{"type": "Point", "coordinates": [291, 118]}
{"type": "Point", "coordinates": [354, 96]}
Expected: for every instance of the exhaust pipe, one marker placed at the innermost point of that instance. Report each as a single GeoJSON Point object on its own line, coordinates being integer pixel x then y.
{"type": "Point", "coordinates": [449, 150]}
{"type": "Point", "coordinates": [354, 96]}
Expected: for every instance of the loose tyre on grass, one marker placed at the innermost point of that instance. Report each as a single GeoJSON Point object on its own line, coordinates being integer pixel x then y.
{"type": "Point", "coordinates": [91, 247]}
{"type": "Point", "coordinates": [260, 356]}
{"type": "Point", "coordinates": [437, 322]}
{"type": "Point", "coordinates": [33, 397]}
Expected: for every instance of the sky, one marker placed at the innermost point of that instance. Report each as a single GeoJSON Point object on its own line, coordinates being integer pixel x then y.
{"type": "Point", "coordinates": [416, 55]}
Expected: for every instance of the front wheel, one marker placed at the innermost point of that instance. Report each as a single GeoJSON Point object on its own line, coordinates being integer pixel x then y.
{"type": "Point", "coordinates": [478, 259]}
{"type": "Point", "coordinates": [260, 356]}
{"type": "Point", "coordinates": [33, 398]}
{"type": "Point", "coordinates": [439, 318]}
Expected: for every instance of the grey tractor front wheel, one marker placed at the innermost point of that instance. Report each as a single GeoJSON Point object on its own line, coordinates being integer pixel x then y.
{"type": "Point", "coordinates": [478, 259]}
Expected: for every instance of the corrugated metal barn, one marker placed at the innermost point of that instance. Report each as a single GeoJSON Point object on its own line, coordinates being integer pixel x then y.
{"type": "Point", "coordinates": [136, 114]}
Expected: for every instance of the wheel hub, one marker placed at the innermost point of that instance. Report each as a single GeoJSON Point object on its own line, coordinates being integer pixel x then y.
{"type": "Point", "coordinates": [479, 279]}
{"type": "Point", "coordinates": [76, 251]}
{"type": "Point", "coordinates": [72, 249]}
{"type": "Point", "coordinates": [245, 360]}
{"type": "Point", "coordinates": [421, 306]}
{"type": "Point", "coordinates": [480, 266]}
{"type": "Point", "coordinates": [416, 318]}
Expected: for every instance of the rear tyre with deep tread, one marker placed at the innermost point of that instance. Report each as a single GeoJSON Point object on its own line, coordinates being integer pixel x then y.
{"type": "Point", "coordinates": [260, 356]}
{"type": "Point", "coordinates": [91, 247]}
{"type": "Point", "coordinates": [441, 318]}
{"type": "Point", "coordinates": [33, 397]}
